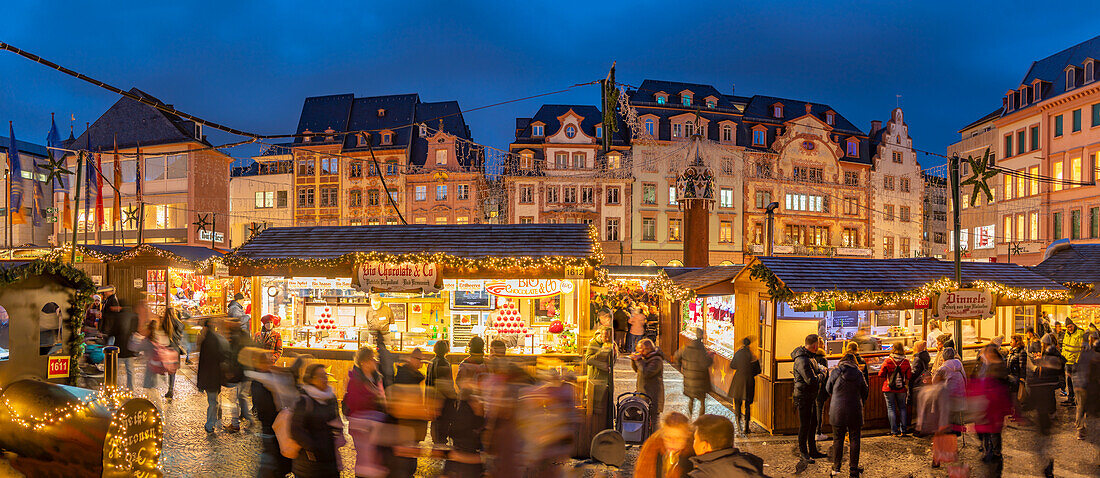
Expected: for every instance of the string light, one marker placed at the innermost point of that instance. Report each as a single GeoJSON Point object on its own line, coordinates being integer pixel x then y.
{"type": "Point", "coordinates": [110, 398]}
{"type": "Point", "coordinates": [62, 252]}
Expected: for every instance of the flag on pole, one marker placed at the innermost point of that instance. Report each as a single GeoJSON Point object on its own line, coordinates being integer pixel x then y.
{"type": "Point", "coordinates": [15, 178]}
{"type": "Point", "coordinates": [116, 211]}
{"type": "Point", "coordinates": [100, 219]}
{"type": "Point", "coordinates": [61, 184]}
{"type": "Point", "coordinates": [89, 183]}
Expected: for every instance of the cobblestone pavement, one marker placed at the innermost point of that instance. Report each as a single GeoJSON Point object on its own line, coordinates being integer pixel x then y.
{"type": "Point", "coordinates": [190, 452]}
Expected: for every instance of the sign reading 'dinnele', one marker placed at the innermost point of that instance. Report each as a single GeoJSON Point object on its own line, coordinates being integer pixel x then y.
{"type": "Point", "coordinates": [133, 442]}
{"type": "Point", "coordinates": [965, 304]}
{"type": "Point", "coordinates": [528, 288]}
{"type": "Point", "coordinates": [386, 276]}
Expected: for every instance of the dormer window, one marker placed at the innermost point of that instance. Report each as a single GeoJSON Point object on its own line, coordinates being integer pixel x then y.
{"type": "Point", "coordinates": [689, 129]}
{"type": "Point", "coordinates": [423, 130]}
{"type": "Point", "coordinates": [712, 102]}
{"type": "Point", "coordinates": [830, 118]}
{"type": "Point", "coordinates": [387, 138]}
{"type": "Point", "coordinates": [685, 99]}
{"type": "Point", "coordinates": [1071, 77]}
{"type": "Point", "coordinates": [853, 147]}
{"type": "Point", "coordinates": [1089, 70]}
{"type": "Point", "coordinates": [677, 130]}
{"type": "Point", "coordinates": [361, 139]}
{"type": "Point", "coordinates": [649, 127]}
{"type": "Point", "coordinates": [1037, 90]}
{"type": "Point", "coordinates": [381, 112]}
{"type": "Point", "coordinates": [1023, 96]}
{"type": "Point", "coordinates": [759, 137]}
{"type": "Point", "coordinates": [777, 111]}
{"type": "Point", "coordinates": [661, 97]}
{"type": "Point", "coordinates": [307, 138]}
{"type": "Point", "coordinates": [536, 130]}
{"type": "Point", "coordinates": [328, 134]}
{"type": "Point", "coordinates": [570, 131]}
{"type": "Point", "coordinates": [599, 131]}
{"type": "Point", "coordinates": [727, 134]}
{"type": "Point", "coordinates": [614, 161]}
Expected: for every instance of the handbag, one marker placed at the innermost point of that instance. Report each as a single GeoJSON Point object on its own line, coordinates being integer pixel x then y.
{"type": "Point", "coordinates": [945, 448]}
{"type": "Point", "coordinates": [169, 359]}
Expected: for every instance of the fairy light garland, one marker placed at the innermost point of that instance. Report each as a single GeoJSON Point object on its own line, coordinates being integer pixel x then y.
{"type": "Point", "coordinates": [110, 398]}
{"type": "Point", "coordinates": [63, 252]}
{"type": "Point", "coordinates": [806, 300]}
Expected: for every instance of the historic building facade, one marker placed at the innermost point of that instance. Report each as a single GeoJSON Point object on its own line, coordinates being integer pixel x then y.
{"type": "Point", "coordinates": [260, 194]}
{"type": "Point", "coordinates": [678, 124]}
{"type": "Point", "coordinates": [897, 205]}
{"type": "Point", "coordinates": [347, 143]}
{"type": "Point", "coordinates": [817, 166]}
{"type": "Point", "coordinates": [558, 173]}
{"type": "Point", "coordinates": [1048, 127]}
{"type": "Point", "coordinates": [183, 179]}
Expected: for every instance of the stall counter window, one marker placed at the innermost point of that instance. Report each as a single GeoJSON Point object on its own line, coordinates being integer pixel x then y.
{"type": "Point", "coordinates": [197, 295]}
{"type": "Point", "coordinates": [718, 325]}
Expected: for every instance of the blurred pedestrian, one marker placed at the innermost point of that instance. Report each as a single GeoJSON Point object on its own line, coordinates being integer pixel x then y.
{"type": "Point", "coordinates": [694, 361]}
{"type": "Point", "coordinates": [124, 323]}
{"type": "Point", "coordinates": [235, 310]}
{"type": "Point", "coordinates": [1016, 366]}
{"type": "Point", "coordinates": [621, 321]}
{"type": "Point", "coordinates": [950, 381]}
{"type": "Point", "coordinates": [991, 389]}
{"type": "Point", "coordinates": [213, 350]}
{"type": "Point", "coordinates": [408, 375]}
{"type": "Point", "coordinates": [364, 406]}
{"type": "Point", "coordinates": [465, 431]}
{"type": "Point", "coordinates": [666, 453]}
{"type": "Point", "coordinates": [1044, 377]}
{"type": "Point", "coordinates": [1034, 342]}
{"type": "Point", "coordinates": [172, 327]}
{"type": "Point", "coordinates": [807, 384]}
{"type": "Point", "coordinates": [921, 364]}
{"type": "Point", "coordinates": [473, 366]}
{"type": "Point", "coordinates": [715, 455]}
{"type": "Point", "coordinates": [896, 373]}
{"type": "Point", "coordinates": [745, 367]}
{"type": "Point", "coordinates": [1086, 380]}
{"type": "Point", "coordinates": [440, 379]}
{"type": "Point", "coordinates": [272, 391]}
{"type": "Point", "coordinates": [152, 346]}
{"type": "Point", "coordinates": [235, 379]}
{"type": "Point", "coordinates": [934, 333]}
{"type": "Point", "coordinates": [636, 331]}
{"type": "Point", "coordinates": [1072, 342]}
{"type": "Point", "coordinates": [848, 389]}
{"type": "Point", "coordinates": [942, 342]}
{"type": "Point", "coordinates": [316, 426]}
{"type": "Point", "coordinates": [649, 366]}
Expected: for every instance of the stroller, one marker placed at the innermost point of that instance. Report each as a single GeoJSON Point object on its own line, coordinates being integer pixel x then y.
{"type": "Point", "coordinates": [632, 417]}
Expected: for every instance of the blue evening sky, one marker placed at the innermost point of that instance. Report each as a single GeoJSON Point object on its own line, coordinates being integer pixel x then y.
{"type": "Point", "coordinates": [249, 64]}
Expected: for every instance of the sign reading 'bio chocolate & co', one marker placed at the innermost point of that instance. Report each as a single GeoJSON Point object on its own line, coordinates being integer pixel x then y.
{"type": "Point", "coordinates": [965, 304]}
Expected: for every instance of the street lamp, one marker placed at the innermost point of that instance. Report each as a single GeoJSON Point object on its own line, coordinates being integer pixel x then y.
{"type": "Point", "coordinates": [770, 211]}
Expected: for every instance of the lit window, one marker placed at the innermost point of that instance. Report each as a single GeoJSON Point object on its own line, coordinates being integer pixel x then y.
{"type": "Point", "coordinates": [462, 220]}
{"type": "Point", "coordinates": [421, 193]}
{"type": "Point", "coordinates": [672, 195]}
{"type": "Point", "coordinates": [726, 197]}
{"type": "Point", "coordinates": [758, 138]}
{"type": "Point", "coordinates": [1075, 171]}
{"type": "Point", "coordinates": [686, 100]}
{"type": "Point", "coordinates": [725, 231]}
{"type": "Point", "coordinates": [1057, 173]}
{"type": "Point", "coordinates": [441, 157]}
{"type": "Point", "coordinates": [441, 220]}
{"type": "Point", "coordinates": [614, 161]}
{"type": "Point", "coordinates": [674, 229]}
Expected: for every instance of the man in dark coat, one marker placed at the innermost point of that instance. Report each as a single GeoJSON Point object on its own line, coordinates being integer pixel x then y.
{"type": "Point", "coordinates": [743, 386]}
{"type": "Point", "coordinates": [621, 320]}
{"type": "Point", "coordinates": [123, 325]}
{"type": "Point", "coordinates": [807, 384]}
{"type": "Point", "coordinates": [848, 390]}
{"type": "Point", "coordinates": [649, 365]}
{"type": "Point", "coordinates": [213, 350]}
{"type": "Point", "coordinates": [598, 358]}
{"type": "Point", "coordinates": [694, 361]}
{"type": "Point", "coordinates": [268, 388]}
{"type": "Point", "coordinates": [715, 455]}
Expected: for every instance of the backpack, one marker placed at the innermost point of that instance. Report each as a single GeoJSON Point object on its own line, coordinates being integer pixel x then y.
{"type": "Point", "coordinates": [897, 379]}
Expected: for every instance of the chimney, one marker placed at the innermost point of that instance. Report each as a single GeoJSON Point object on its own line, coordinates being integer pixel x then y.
{"type": "Point", "coordinates": [875, 126]}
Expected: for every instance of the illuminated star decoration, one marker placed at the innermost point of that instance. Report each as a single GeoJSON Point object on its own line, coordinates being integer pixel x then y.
{"type": "Point", "coordinates": [131, 213]}
{"type": "Point", "coordinates": [980, 173]}
{"type": "Point", "coordinates": [255, 228]}
{"type": "Point", "coordinates": [200, 225]}
{"type": "Point", "coordinates": [56, 168]}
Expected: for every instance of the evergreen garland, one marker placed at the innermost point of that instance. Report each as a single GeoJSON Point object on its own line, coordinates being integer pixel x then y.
{"type": "Point", "coordinates": [779, 291]}
{"type": "Point", "coordinates": [81, 299]}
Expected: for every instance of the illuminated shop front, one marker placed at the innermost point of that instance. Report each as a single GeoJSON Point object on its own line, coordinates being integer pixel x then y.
{"type": "Point", "coordinates": [874, 303]}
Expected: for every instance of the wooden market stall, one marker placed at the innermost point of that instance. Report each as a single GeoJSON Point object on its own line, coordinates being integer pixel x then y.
{"type": "Point", "coordinates": [781, 300]}
{"type": "Point", "coordinates": [1076, 266]}
{"type": "Point", "coordinates": [649, 286]}
{"type": "Point", "coordinates": [333, 288]}
{"type": "Point", "coordinates": [710, 306]}
{"type": "Point", "coordinates": [34, 333]}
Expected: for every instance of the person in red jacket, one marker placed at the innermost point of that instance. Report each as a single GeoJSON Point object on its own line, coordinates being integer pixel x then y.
{"type": "Point", "coordinates": [896, 373]}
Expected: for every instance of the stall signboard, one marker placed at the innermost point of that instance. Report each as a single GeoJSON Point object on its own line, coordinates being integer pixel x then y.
{"type": "Point", "coordinates": [923, 303]}
{"type": "Point", "coordinates": [529, 288]}
{"type": "Point", "coordinates": [391, 277]}
{"type": "Point", "coordinates": [965, 304]}
{"type": "Point", "coordinates": [314, 283]}
{"type": "Point", "coordinates": [133, 443]}
{"type": "Point", "coordinates": [57, 367]}
{"type": "Point", "coordinates": [824, 305]}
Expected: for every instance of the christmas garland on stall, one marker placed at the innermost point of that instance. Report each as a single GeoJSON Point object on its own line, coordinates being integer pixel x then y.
{"type": "Point", "coordinates": [61, 254]}
{"type": "Point", "coordinates": [81, 299]}
{"type": "Point", "coordinates": [806, 300]}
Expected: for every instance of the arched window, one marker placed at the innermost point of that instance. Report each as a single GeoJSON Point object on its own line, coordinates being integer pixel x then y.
{"type": "Point", "coordinates": [649, 127]}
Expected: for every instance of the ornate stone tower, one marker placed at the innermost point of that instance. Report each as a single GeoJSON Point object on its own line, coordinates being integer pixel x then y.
{"type": "Point", "coordinates": [695, 196]}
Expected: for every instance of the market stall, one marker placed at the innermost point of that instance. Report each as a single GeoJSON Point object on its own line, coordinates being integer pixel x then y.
{"type": "Point", "coordinates": [1076, 266]}
{"type": "Point", "coordinates": [710, 306]}
{"type": "Point", "coordinates": [333, 288]}
{"type": "Point", "coordinates": [781, 300]}
{"type": "Point", "coordinates": [644, 287]}
{"type": "Point", "coordinates": [42, 306]}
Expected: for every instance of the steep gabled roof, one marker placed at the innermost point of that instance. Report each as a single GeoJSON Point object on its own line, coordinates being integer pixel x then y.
{"type": "Point", "coordinates": [549, 114]}
{"type": "Point", "coordinates": [648, 88]}
{"type": "Point", "coordinates": [1072, 263]}
{"type": "Point", "coordinates": [1053, 67]}
{"type": "Point", "coordinates": [759, 109]}
{"type": "Point", "coordinates": [132, 123]}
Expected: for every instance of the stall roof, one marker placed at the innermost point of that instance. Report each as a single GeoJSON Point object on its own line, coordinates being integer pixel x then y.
{"type": "Point", "coordinates": [632, 271]}
{"type": "Point", "coordinates": [180, 252]}
{"type": "Point", "coordinates": [713, 280]}
{"type": "Point", "coordinates": [571, 241]}
{"type": "Point", "coordinates": [1072, 263]}
{"type": "Point", "coordinates": [807, 274]}
{"type": "Point", "coordinates": [191, 253]}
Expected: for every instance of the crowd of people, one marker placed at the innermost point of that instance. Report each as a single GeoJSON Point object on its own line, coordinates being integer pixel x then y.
{"type": "Point", "coordinates": [1019, 381]}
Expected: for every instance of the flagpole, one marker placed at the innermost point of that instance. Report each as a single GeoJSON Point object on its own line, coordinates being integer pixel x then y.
{"type": "Point", "coordinates": [76, 205]}
{"type": "Point", "coordinates": [7, 201]}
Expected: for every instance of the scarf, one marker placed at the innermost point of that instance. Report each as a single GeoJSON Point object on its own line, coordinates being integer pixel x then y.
{"type": "Point", "coordinates": [318, 394]}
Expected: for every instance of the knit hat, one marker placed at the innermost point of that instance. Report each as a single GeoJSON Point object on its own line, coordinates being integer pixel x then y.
{"type": "Point", "coordinates": [270, 318]}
